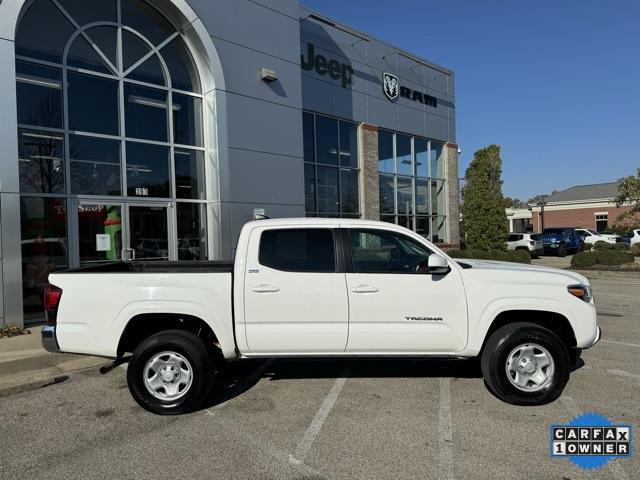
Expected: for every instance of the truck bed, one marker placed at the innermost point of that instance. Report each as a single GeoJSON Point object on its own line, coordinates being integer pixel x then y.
{"type": "Point", "coordinates": [155, 267]}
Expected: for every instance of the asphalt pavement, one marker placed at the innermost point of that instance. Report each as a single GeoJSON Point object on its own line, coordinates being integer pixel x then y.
{"type": "Point", "coordinates": [344, 419]}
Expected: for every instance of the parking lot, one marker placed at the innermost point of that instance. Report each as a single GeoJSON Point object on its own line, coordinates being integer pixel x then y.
{"type": "Point", "coordinates": [366, 418]}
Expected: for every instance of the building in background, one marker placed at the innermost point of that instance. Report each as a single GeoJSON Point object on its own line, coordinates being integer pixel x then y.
{"type": "Point", "coordinates": [519, 220]}
{"type": "Point", "coordinates": [583, 206]}
{"type": "Point", "coordinates": [155, 129]}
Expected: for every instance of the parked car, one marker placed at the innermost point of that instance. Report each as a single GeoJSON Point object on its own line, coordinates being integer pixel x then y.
{"type": "Point", "coordinates": [634, 237]}
{"type": "Point", "coordinates": [328, 288]}
{"type": "Point", "coordinates": [525, 241]}
{"type": "Point", "coordinates": [560, 241]}
{"type": "Point", "coordinates": [591, 236]}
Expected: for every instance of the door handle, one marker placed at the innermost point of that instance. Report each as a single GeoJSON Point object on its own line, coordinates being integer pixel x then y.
{"type": "Point", "coordinates": [265, 289]}
{"type": "Point", "coordinates": [365, 289]}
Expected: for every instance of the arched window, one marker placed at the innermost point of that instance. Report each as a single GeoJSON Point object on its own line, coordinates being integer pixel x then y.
{"type": "Point", "coordinates": [110, 113]}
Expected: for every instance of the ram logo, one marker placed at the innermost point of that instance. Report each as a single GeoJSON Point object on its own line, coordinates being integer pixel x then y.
{"type": "Point", "coordinates": [390, 85]}
{"type": "Point", "coordinates": [425, 319]}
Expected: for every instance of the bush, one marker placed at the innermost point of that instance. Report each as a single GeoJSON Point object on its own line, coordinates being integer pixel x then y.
{"type": "Point", "coordinates": [620, 246]}
{"type": "Point", "coordinates": [635, 250]}
{"type": "Point", "coordinates": [584, 259]}
{"type": "Point", "coordinates": [608, 257]}
{"type": "Point", "coordinates": [601, 245]}
{"type": "Point", "coordinates": [519, 256]}
{"type": "Point", "coordinates": [456, 253]}
{"type": "Point", "coordinates": [625, 257]}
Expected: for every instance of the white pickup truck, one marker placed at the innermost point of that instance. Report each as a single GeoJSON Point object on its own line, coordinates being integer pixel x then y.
{"type": "Point", "coordinates": [329, 288]}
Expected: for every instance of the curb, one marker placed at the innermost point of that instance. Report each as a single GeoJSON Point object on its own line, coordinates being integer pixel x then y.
{"type": "Point", "coordinates": [41, 379]}
{"type": "Point", "coordinates": [31, 385]}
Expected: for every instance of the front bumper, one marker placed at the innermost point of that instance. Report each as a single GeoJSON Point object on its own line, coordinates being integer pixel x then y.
{"type": "Point", "coordinates": [49, 340]}
{"type": "Point", "coordinates": [597, 339]}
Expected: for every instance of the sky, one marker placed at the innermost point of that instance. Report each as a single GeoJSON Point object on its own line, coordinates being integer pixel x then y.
{"type": "Point", "coordinates": [555, 83]}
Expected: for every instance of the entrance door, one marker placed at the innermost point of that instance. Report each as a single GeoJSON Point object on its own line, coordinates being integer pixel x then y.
{"type": "Point", "coordinates": [118, 231]}
{"type": "Point", "coordinates": [100, 232]}
{"type": "Point", "coordinates": [149, 232]}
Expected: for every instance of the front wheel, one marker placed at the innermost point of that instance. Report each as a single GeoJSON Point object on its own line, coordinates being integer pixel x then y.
{"type": "Point", "coordinates": [170, 372]}
{"type": "Point", "coordinates": [525, 364]}
{"type": "Point", "coordinates": [562, 250]}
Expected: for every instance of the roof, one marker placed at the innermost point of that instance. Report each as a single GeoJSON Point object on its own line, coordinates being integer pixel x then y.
{"type": "Point", "coordinates": [585, 193]}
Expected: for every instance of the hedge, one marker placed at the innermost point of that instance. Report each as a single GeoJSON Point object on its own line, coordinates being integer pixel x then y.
{"type": "Point", "coordinates": [608, 257]}
{"type": "Point", "coordinates": [635, 250]}
{"type": "Point", "coordinates": [601, 245]}
{"type": "Point", "coordinates": [584, 259]}
{"type": "Point", "coordinates": [517, 256]}
{"type": "Point", "coordinates": [626, 257]}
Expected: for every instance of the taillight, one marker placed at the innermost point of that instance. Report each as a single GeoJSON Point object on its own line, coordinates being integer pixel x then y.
{"type": "Point", "coordinates": [52, 295]}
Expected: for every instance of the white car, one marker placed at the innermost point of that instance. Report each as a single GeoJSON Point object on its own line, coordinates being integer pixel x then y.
{"type": "Point", "coordinates": [525, 241]}
{"type": "Point", "coordinates": [323, 288]}
{"type": "Point", "coordinates": [591, 236]}
{"type": "Point", "coordinates": [635, 237]}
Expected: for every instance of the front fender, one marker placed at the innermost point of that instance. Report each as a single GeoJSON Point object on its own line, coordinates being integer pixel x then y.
{"type": "Point", "coordinates": [481, 323]}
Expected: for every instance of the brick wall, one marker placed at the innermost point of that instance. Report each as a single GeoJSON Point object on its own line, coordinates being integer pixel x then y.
{"type": "Point", "coordinates": [576, 217]}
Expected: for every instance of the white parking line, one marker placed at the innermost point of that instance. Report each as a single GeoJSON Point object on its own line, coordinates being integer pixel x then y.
{"type": "Point", "coordinates": [316, 424]}
{"type": "Point", "coordinates": [445, 433]}
{"type": "Point", "coordinates": [621, 343]}
{"type": "Point", "coordinates": [614, 467]}
{"type": "Point", "coordinates": [622, 373]}
{"type": "Point", "coordinates": [245, 381]}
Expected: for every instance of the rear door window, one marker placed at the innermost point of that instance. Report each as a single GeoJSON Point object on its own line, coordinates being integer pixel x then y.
{"type": "Point", "coordinates": [298, 250]}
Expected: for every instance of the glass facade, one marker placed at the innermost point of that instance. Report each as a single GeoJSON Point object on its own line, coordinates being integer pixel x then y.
{"type": "Point", "coordinates": [330, 167]}
{"type": "Point", "coordinates": [110, 139]}
{"type": "Point", "coordinates": [412, 186]}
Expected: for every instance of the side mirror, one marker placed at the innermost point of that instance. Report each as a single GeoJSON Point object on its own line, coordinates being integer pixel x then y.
{"type": "Point", "coordinates": [438, 265]}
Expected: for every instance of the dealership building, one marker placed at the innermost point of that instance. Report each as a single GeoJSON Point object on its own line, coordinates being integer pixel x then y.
{"type": "Point", "coordinates": [155, 129]}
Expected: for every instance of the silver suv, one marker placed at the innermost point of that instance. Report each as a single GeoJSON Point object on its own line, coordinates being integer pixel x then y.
{"type": "Point", "coordinates": [525, 241]}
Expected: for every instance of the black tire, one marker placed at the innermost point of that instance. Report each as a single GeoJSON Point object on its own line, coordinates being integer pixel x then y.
{"type": "Point", "coordinates": [562, 250]}
{"type": "Point", "coordinates": [189, 346]}
{"type": "Point", "coordinates": [494, 360]}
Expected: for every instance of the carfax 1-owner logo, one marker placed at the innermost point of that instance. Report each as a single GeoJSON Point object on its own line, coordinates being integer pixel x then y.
{"type": "Point", "coordinates": [591, 440]}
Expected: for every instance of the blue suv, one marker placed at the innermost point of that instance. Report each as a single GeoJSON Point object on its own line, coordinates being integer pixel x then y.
{"type": "Point", "coordinates": [560, 241]}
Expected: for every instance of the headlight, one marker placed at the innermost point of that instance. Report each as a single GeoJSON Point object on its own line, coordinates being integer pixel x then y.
{"type": "Point", "coordinates": [583, 292]}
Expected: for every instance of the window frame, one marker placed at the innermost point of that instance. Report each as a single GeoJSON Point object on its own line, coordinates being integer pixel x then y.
{"type": "Point", "coordinates": [338, 263]}
{"type": "Point", "coordinates": [434, 217]}
{"type": "Point", "coordinates": [314, 163]}
{"type": "Point", "coordinates": [348, 249]}
{"type": "Point", "coordinates": [176, 39]}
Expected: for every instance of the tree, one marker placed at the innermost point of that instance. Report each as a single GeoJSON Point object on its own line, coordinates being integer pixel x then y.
{"type": "Point", "coordinates": [484, 220]}
{"type": "Point", "coordinates": [514, 203]}
{"type": "Point", "coordinates": [628, 194]}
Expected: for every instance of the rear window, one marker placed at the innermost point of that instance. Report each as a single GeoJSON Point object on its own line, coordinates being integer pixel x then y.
{"type": "Point", "coordinates": [298, 250]}
{"type": "Point", "coordinates": [535, 237]}
{"type": "Point", "coordinates": [514, 238]}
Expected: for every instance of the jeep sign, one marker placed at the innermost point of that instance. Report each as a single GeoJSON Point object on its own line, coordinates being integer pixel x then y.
{"type": "Point", "coordinates": [323, 66]}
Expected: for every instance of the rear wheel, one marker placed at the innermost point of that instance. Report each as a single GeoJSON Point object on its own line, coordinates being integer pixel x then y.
{"type": "Point", "coordinates": [170, 372]}
{"type": "Point", "coordinates": [525, 364]}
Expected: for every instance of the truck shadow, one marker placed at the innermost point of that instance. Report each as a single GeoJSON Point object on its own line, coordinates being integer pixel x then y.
{"type": "Point", "coordinates": [234, 379]}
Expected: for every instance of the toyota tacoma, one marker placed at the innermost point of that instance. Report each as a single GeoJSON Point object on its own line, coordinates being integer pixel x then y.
{"type": "Point", "coordinates": [323, 288]}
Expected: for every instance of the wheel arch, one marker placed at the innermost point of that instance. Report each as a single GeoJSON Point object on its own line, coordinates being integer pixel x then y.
{"type": "Point", "coordinates": [553, 321]}
{"type": "Point", "coordinates": [142, 326]}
